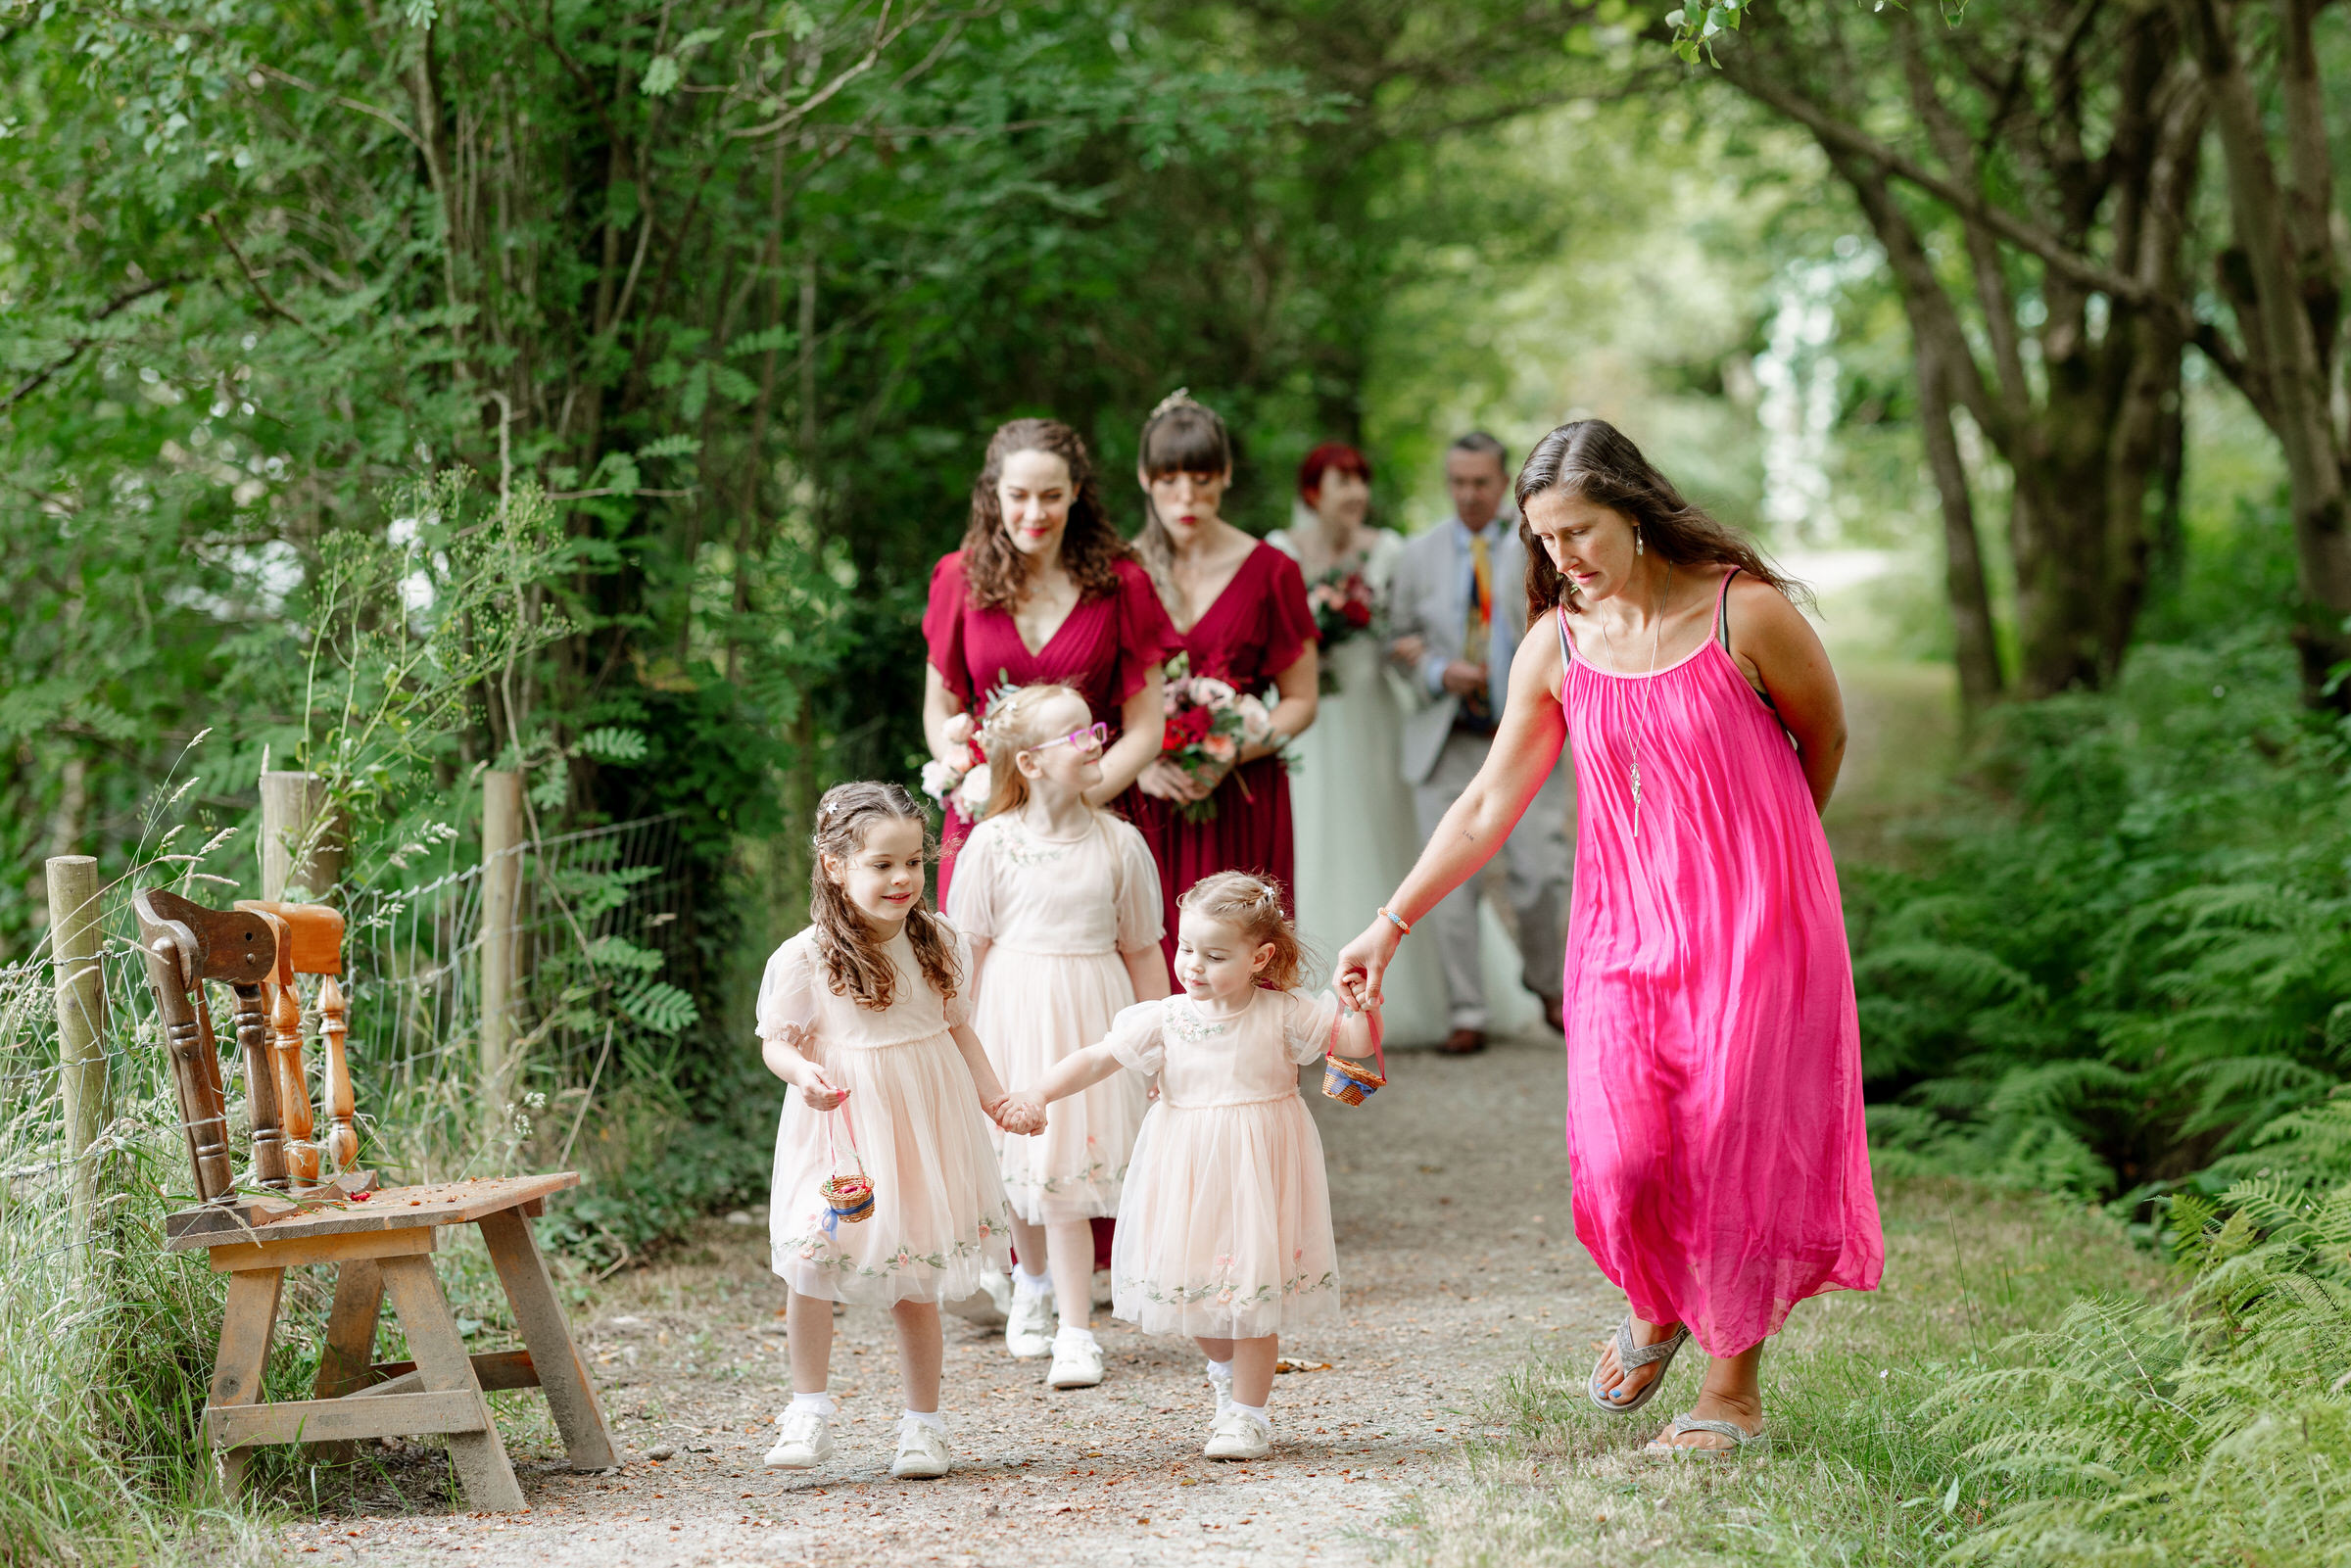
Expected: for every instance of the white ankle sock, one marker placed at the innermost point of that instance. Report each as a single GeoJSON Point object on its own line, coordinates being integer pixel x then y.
{"type": "Point", "coordinates": [1254, 1412]}
{"type": "Point", "coordinates": [1029, 1284]}
{"type": "Point", "coordinates": [820, 1402]}
{"type": "Point", "coordinates": [931, 1419]}
{"type": "Point", "coordinates": [1222, 1372]}
{"type": "Point", "coordinates": [1074, 1334]}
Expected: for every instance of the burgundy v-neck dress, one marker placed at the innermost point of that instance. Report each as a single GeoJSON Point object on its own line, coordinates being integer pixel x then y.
{"type": "Point", "coordinates": [1256, 628]}
{"type": "Point", "coordinates": [1106, 648]}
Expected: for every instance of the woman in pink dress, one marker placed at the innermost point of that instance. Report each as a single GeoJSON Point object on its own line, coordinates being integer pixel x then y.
{"type": "Point", "coordinates": [1240, 612]}
{"type": "Point", "coordinates": [1043, 591]}
{"type": "Point", "coordinates": [1716, 1144]}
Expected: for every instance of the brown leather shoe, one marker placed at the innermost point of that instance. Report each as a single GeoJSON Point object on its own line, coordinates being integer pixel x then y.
{"type": "Point", "coordinates": [1554, 1014]}
{"type": "Point", "coordinates": [1463, 1042]}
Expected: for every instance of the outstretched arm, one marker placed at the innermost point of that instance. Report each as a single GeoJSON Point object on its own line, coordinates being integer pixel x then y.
{"type": "Point", "coordinates": [1525, 748]}
{"type": "Point", "coordinates": [784, 1059]}
{"type": "Point", "coordinates": [1025, 1111]}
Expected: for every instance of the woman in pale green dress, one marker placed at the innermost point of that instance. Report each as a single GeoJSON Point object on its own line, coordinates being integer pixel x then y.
{"type": "Point", "coordinates": [1350, 808]}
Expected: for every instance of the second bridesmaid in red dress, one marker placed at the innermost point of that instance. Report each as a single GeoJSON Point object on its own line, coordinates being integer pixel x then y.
{"type": "Point", "coordinates": [1240, 610]}
{"type": "Point", "coordinates": [1043, 590]}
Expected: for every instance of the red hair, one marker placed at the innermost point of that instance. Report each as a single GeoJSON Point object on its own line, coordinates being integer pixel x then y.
{"type": "Point", "coordinates": [1323, 459]}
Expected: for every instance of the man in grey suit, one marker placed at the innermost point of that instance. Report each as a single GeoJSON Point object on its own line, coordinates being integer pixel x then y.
{"type": "Point", "coordinates": [1458, 610]}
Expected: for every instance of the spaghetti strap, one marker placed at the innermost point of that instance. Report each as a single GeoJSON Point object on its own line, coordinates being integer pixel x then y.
{"type": "Point", "coordinates": [1722, 610]}
{"type": "Point", "coordinates": [1558, 616]}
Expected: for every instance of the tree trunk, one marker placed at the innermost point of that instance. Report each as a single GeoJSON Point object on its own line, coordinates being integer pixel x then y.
{"type": "Point", "coordinates": [2285, 351]}
{"type": "Point", "coordinates": [1976, 645]}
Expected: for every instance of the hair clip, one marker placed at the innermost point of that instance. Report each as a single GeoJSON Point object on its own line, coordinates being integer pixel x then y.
{"type": "Point", "coordinates": [1178, 399]}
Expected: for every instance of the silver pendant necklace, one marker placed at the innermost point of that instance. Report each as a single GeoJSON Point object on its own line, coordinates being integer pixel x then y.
{"type": "Point", "coordinates": [1648, 686]}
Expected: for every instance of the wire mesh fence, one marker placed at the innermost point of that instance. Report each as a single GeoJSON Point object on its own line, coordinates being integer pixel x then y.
{"type": "Point", "coordinates": [595, 922]}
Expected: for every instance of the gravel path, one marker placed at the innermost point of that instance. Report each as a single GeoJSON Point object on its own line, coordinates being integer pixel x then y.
{"type": "Point", "coordinates": [1449, 1191]}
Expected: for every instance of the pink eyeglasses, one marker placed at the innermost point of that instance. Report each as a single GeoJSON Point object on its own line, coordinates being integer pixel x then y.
{"type": "Point", "coordinates": [1096, 736]}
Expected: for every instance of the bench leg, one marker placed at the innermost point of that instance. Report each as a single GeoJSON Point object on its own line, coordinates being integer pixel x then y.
{"type": "Point", "coordinates": [351, 1329]}
{"type": "Point", "coordinates": [570, 1394]}
{"type": "Point", "coordinates": [440, 1354]}
{"type": "Point", "coordinates": [246, 1325]}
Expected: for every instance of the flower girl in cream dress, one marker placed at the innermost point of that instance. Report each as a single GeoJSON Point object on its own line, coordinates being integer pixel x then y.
{"type": "Point", "coordinates": [865, 1013]}
{"type": "Point", "coordinates": [1060, 901]}
{"type": "Point", "coordinates": [1225, 1230]}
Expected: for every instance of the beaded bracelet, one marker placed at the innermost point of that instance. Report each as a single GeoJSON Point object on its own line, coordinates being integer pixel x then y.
{"type": "Point", "coordinates": [1394, 919]}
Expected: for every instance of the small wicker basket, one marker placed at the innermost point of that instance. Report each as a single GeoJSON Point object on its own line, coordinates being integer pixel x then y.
{"type": "Point", "coordinates": [1350, 1082]}
{"type": "Point", "coordinates": [850, 1197]}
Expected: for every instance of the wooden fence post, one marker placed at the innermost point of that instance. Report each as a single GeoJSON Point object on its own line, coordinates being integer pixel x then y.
{"type": "Point", "coordinates": [76, 939]}
{"type": "Point", "coordinates": [501, 899]}
{"type": "Point", "coordinates": [295, 852]}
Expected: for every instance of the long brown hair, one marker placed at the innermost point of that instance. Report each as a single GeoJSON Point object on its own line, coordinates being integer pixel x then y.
{"type": "Point", "coordinates": [1011, 729]}
{"type": "Point", "coordinates": [995, 574]}
{"type": "Point", "coordinates": [855, 964]}
{"type": "Point", "coordinates": [1594, 460]}
{"type": "Point", "coordinates": [1252, 906]}
{"type": "Point", "coordinates": [1181, 437]}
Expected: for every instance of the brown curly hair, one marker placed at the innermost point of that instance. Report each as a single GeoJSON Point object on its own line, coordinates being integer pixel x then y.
{"type": "Point", "coordinates": [995, 573]}
{"type": "Point", "coordinates": [1592, 460]}
{"type": "Point", "coordinates": [1252, 906]}
{"type": "Point", "coordinates": [856, 966]}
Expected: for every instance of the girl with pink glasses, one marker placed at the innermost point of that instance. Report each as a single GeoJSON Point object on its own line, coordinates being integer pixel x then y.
{"type": "Point", "coordinates": [1061, 902]}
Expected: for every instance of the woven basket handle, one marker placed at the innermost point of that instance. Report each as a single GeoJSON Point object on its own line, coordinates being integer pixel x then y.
{"type": "Point", "coordinates": [1379, 1057]}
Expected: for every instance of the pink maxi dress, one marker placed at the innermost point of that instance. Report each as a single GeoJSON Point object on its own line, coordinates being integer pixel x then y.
{"type": "Point", "coordinates": [1715, 1141]}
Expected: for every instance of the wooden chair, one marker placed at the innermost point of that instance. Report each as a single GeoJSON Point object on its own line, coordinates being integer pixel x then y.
{"type": "Point", "coordinates": [379, 1240]}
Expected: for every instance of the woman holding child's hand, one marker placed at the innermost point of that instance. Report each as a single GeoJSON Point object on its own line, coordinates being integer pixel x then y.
{"type": "Point", "coordinates": [1715, 1143]}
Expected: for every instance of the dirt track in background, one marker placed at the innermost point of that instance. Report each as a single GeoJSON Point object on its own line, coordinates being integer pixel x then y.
{"type": "Point", "coordinates": [1449, 1193]}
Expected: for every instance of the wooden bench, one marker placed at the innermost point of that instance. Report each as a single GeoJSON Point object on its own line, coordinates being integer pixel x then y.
{"type": "Point", "coordinates": [380, 1241]}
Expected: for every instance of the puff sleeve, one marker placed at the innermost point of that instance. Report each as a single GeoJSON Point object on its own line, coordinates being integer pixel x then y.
{"type": "Point", "coordinates": [956, 1011]}
{"type": "Point", "coordinates": [1307, 1023]}
{"type": "Point", "coordinates": [971, 896]}
{"type": "Point", "coordinates": [1138, 1036]}
{"type": "Point", "coordinates": [942, 626]}
{"type": "Point", "coordinates": [1141, 911]}
{"type": "Point", "coordinates": [788, 993]}
{"type": "Point", "coordinates": [1147, 639]}
{"type": "Point", "coordinates": [1289, 622]}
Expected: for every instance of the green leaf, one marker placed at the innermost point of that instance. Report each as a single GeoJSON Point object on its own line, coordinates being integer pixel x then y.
{"type": "Point", "coordinates": [611, 744]}
{"type": "Point", "coordinates": [661, 77]}
{"type": "Point", "coordinates": [658, 1006]}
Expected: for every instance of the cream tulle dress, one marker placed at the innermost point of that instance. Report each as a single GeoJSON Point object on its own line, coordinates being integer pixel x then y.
{"type": "Point", "coordinates": [1224, 1231]}
{"type": "Point", "coordinates": [939, 1218]}
{"type": "Point", "coordinates": [1056, 913]}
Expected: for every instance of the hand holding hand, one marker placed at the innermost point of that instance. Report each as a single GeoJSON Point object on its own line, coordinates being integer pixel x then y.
{"type": "Point", "coordinates": [1362, 961]}
{"type": "Point", "coordinates": [1022, 1115]}
{"type": "Point", "coordinates": [1409, 652]}
{"type": "Point", "coordinates": [816, 1088]}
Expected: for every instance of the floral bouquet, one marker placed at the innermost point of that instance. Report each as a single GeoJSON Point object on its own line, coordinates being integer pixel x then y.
{"type": "Point", "coordinates": [965, 783]}
{"type": "Point", "coordinates": [1209, 722]}
{"type": "Point", "coordinates": [1344, 609]}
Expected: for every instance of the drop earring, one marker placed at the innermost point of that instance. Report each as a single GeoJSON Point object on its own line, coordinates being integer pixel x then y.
{"type": "Point", "coordinates": [1637, 541]}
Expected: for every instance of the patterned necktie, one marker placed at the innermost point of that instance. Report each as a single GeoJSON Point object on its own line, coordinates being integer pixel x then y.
{"type": "Point", "coordinates": [1477, 634]}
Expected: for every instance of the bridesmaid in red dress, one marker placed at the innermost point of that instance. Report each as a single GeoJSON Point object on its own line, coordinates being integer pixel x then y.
{"type": "Point", "coordinates": [1043, 590]}
{"type": "Point", "coordinates": [1240, 609]}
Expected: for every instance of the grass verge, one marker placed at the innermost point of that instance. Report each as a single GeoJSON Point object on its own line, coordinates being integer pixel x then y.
{"type": "Point", "coordinates": [1852, 1476]}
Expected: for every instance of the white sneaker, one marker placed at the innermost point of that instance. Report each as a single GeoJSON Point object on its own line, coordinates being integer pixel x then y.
{"type": "Point", "coordinates": [997, 1285]}
{"type": "Point", "coordinates": [989, 1305]}
{"type": "Point", "coordinates": [1221, 1382]}
{"type": "Point", "coordinates": [803, 1441]}
{"type": "Point", "coordinates": [1077, 1359]}
{"type": "Point", "coordinates": [922, 1453]}
{"type": "Point", "coordinates": [1028, 1326]}
{"type": "Point", "coordinates": [1238, 1435]}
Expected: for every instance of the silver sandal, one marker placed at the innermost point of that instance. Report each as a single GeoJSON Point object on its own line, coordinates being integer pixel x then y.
{"type": "Point", "coordinates": [1741, 1441]}
{"type": "Point", "coordinates": [1629, 1357]}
